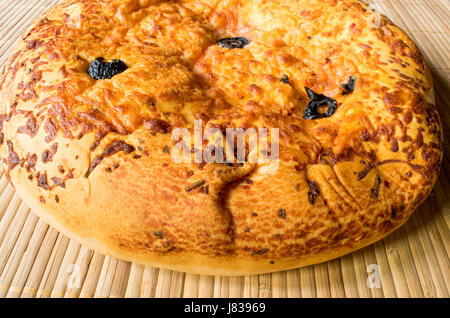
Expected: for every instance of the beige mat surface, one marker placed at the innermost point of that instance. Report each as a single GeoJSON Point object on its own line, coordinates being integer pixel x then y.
{"type": "Point", "coordinates": [37, 261]}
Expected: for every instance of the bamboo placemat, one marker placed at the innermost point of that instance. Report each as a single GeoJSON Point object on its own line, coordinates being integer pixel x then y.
{"type": "Point", "coordinates": [37, 261]}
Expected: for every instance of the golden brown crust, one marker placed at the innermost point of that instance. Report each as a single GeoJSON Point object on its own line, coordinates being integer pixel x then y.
{"type": "Point", "coordinates": [92, 157]}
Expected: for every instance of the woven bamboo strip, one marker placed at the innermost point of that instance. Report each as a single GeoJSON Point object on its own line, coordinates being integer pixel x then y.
{"type": "Point", "coordinates": [169, 284]}
{"type": "Point", "coordinates": [360, 267]}
{"type": "Point", "coordinates": [30, 261]}
{"type": "Point", "coordinates": [347, 270]}
{"type": "Point", "coordinates": [440, 13]}
{"type": "Point", "coordinates": [386, 275]}
{"type": "Point", "coordinates": [409, 268]}
{"type": "Point", "coordinates": [149, 281]}
{"type": "Point", "coordinates": [119, 285]}
{"type": "Point", "coordinates": [361, 273]}
{"type": "Point", "coordinates": [7, 209]}
{"type": "Point", "coordinates": [335, 278]}
{"type": "Point", "coordinates": [435, 51]}
{"type": "Point", "coordinates": [13, 261]}
{"type": "Point", "coordinates": [221, 287]}
{"type": "Point", "coordinates": [135, 281]}
{"type": "Point", "coordinates": [82, 264]}
{"type": "Point", "coordinates": [440, 221]}
{"type": "Point", "coordinates": [35, 266]}
{"type": "Point", "coordinates": [308, 282]}
{"type": "Point", "coordinates": [106, 277]}
{"type": "Point", "coordinates": [66, 269]}
{"type": "Point", "coordinates": [9, 18]}
{"type": "Point", "coordinates": [177, 285]}
{"type": "Point", "coordinates": [4, 182]}
{"type": "Point", "coordinates": [237, 287]}
{"type": "Point", "coordinates": [191, 286]}
{"type": "Point", "coordinates": [15, 28]}
{"type": "Point", "coordinates": [206, 286]}
{"type": "Point", "coordinates": [437, 246]}
{"type": "Point", "coordinates": [42, 279]}
{"type": "Point", "coordinates": [322, 280]}
{"type": "Point", "coordinates": [434, 19]}
{"type": "Point", "coordinates": [7, 231]}
{"type": "Point", "coordinates": [5, 6]}
{"type": "Point", "coordinates": [421, 264]}
{"type": "Point", "coordinates": [397, 268]}
{"type": "Point", "coordinates": [25, 258]}
{"type": "Point", "coordinates": [251, 286]}
{"type": "Point", "coordinates": [279, 284]}
{"type": "Point", "coordinates": [293, 284]}
{"type": "Point", "coordinates": [426, 18]}
{"type": "Point", "coordinates": [93, 276]}
{"type": "Point", "coordinates": [120, 280]}
{"type": "Point", "coordinates": [404, 14]}
{"type": "Point", "coordinates": [432, 259]}
{"type": "Point", "coordinates": [441, 224]}
{"type": "Point", "coordinates": [12, 234]}
{"type": "Point", "coordinates": [265, 286]}
{"type": "Point", "coordinates": [163, 285]}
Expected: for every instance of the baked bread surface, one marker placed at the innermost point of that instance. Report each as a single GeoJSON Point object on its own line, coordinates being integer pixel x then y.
{"type": "Point", "coordinates": [93, 157]}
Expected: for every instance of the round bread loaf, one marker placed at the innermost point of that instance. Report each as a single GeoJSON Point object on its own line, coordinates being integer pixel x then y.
{"type": "Point", "coordinates": [94, 89]}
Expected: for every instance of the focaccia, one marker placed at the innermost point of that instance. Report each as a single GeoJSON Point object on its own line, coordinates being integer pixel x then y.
{"type": "Point", "coordinates": [94, 90]}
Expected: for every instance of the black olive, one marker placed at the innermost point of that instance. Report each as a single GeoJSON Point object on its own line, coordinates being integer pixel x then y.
{"type": "Point", "coordinates": [285, 79]}
{"type": "Point", "coordinates": [233, 43]}
{"type": "Point", "coordinates": [350, 86]}
{"type": "Point", "coordinates": [311, 110]}
{"type": "Point", "coordinates": [99, 69]}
